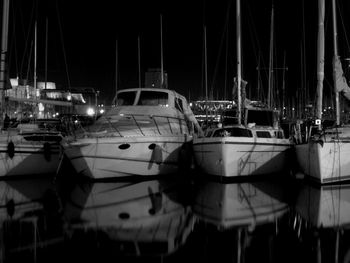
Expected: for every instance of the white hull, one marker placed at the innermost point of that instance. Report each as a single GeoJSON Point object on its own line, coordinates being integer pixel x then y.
{"type": "Point", "coordinates": [325, 163]}
{"type": "Point", "coordinates": [29, 158]}
{"type": "Point", "coordinates": [114, 157]}
{"type": "Point", "coordinates": [239, 156]}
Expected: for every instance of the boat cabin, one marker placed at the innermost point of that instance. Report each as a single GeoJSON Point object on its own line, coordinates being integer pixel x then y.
{"type": "Point", "coordinates": [251, 116]}
{"type": "Point", "coordinates": [151, 97]}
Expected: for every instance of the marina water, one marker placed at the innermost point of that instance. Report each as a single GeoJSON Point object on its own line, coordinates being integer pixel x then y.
{"type": "Point", "coordinates": [169, 219]}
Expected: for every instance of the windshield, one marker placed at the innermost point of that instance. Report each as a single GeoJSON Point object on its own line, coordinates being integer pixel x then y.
{"type": "Point", "coordinates": [126, 98]}
{"type": "Point", "coordinates": [153, 98]}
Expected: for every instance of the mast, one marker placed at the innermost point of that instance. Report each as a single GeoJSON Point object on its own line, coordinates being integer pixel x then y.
{"type": "Point", "coordinates": [239, 57]}
{"type": "Point", "coordinates": [205, 73]}
{"type": "Point", "coordinates": [139, 59]}
{"type": "Point", "coordinates": [335, 46]}
{"type": "Point", "coordinates": [35, 57]}
{"type": "Point", "coordinates": [320, 57]}
{"type": "Point", "coordinates": [46, 46]}
{"type": "Point", "coordinates": [161, 53]}
{"type": "Point", "coordinates": [5, 19]}
{"type": "Point", "coordinates": [284, 84]}
{"type": "Point", "coordinates": [116, 66]}
{"type": "Point", "coordinates": [269, 94]}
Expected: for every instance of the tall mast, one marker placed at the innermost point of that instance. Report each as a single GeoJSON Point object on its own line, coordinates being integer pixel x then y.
{"type": "Point", "coordinates": [269, 94]}
{"type": "Point", "coordinates": [320, 58]}
{"type": "Point", "coordinates": [161, 53]}
{"type": "Point", "coordinates": [46, 47]}
{"type": "Point", "coordinates": [116, 66]}
{"type": "Point", "coordinates": [335, 46]}
{"type": "Point", "coordinates": [35, 56]}
{"type": "Point", "coordinates": [239, 57]}
{"type": "Point", "coordinates": [5, 19]}
{"type": "Point", "coordinates": [284, 84]}
{"type": "Point", "coordinates": [139, 59]}
{"type": "Point", "coordinates": [205, 73]}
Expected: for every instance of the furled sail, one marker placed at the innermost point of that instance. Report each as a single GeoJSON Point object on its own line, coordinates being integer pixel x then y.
{"type": "Point", "coordinates": [341, 85]}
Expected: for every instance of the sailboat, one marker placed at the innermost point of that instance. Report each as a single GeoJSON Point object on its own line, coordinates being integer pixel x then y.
{"type": "Point", "coordinates": [324, 157]}
{"type": "Point", "coordinates": [28, 148]}
{"type": "Point", "coordinates": [249, 140]}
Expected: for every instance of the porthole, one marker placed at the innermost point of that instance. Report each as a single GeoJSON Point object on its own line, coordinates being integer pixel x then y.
{"type": "Point", "coordinates": [124, 216]}
{"type": "Point", "coordinates": [124, 146]}
{"type": "Point", "coordinates": [152, 146]}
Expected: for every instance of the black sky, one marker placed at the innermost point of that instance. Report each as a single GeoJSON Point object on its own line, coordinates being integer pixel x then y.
{"type": "Point", "coordinates": [82, 41]}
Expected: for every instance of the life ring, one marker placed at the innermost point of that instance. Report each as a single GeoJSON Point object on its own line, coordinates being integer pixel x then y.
{"type": "Point", "coordinates": [47, 151]}
{"type": "Point", "coordinates": [11, 149]}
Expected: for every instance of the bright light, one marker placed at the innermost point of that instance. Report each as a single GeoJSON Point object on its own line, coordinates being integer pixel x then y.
{"type": "Point", "coordinates": [90, 111]}
{"type": "Point", "coordinates": [102, 111]}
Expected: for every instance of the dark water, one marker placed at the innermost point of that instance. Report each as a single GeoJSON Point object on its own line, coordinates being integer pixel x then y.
{"type": "Point", "coordinates": [193, 218]}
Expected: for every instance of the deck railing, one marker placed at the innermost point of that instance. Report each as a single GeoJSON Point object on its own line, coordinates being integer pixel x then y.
{"type": "Point", "coordinates": [136, 124]}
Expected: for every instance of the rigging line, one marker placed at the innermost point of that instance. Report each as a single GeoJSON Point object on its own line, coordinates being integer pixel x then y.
{"type": "Point", "coordinates": [343, 25]}
{"type": "Point", "coordinates": [62, 42]}
{"type": "Point", "coordinates": [13, 40]}
{"type": "Point", "coordinates": [220, 48]}
{"type": "Point", "coordinates": [29, 59]}
{"type": "Point", "coordinates": [27, 40]}
{"type": "Point", "coordinates": [255, 40]}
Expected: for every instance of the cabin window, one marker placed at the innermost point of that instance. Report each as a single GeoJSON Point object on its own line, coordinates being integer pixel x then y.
{"type": "Point", "coordinates": [279, 134]}
{"type": "Point", "coordinates": [126, 98]}
{"type": "Point", "coordinates": [179, 105]}
{"type": "Point", "coordinates": [234, 132]}
{"type": "Point", "coordinates": [239, 132]}
{"type": "Point", "coordinates": [221, 133]}
{"type": "Point", "coordinates": [263, 134]}
{"type": "Point", "coordinates": [153, 98]}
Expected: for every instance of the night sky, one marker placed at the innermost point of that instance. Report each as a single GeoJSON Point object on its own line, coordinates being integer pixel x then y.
{"type": "Point", "coordinates": [82, 42]}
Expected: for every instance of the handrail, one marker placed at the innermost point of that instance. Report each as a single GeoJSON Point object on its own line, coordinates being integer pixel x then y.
{"type": "Point", "coordinates": [154, 120]}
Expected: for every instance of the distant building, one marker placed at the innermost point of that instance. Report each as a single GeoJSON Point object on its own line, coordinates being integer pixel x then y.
{"type": "Point", "coordinates": [153, 78]}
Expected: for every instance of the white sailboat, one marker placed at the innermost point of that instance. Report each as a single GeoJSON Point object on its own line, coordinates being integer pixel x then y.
{"type": "Point", "coordinates": [250, 141]}
{"type": "Point", "coordinates": [29, 148]}
{"type": "Point", "coordinates": [324, 158]}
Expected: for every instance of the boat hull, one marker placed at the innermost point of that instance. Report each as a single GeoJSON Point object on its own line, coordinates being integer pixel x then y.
{"type": "Point", "coordinates": [29, 158]}
{"type": "Point", "coordinates": [101, 158]}
{"type": "Point", "coordinates": [238, 156]}
{"type": "Point", "coordinates": [324, 162]}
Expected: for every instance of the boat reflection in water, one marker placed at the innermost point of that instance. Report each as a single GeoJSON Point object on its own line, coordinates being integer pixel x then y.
{"type": "Point", "coordinates": [238, 204]}
{"type": "Point", "coordinates": [147, 218]}
{"type": "Point", "coordinates": [30, 220]}
{"type": "Point", "coordinates": [322, 221]}
{"type": "Point", "coordinates": [241, 221]}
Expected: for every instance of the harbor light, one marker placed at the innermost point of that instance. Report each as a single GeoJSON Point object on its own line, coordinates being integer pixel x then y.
{"type": "Point", "coordinates": [90, 111]}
